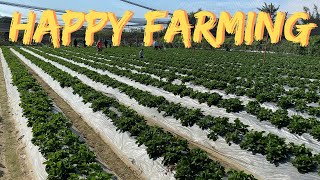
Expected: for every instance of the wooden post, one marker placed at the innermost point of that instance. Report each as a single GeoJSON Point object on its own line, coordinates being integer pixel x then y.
{"type": "Point", "coordinates": [265, 51]}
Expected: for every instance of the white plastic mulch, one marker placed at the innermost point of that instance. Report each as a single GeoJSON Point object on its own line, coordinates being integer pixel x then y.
{"type": "Point", "coordinates": [257, 164]}
{"type": "Point", "coordinates": [33, 156]}
{"type": "Point", "coordinates": [124, 145]}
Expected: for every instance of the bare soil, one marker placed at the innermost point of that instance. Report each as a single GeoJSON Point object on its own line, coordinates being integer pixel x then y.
{"type": "Point", "coordinates": [13, 162]}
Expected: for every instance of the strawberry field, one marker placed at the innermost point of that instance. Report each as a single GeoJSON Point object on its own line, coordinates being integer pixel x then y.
{"type": "Point", "coordinates": [175, 114]}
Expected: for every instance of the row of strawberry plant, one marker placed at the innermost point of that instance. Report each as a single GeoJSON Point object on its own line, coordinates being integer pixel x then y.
{"type": "Point", "coordinates": [188, 163]}
{"type": "Point", "coordinates": [231, 105]}
{"type": "Point", "coordinates": [280, 118]}
{"type": "Point", "coordinates": [290, 65]}
{"type": "Point", "coordinates": [296, 124]}
{"type": "Point", "coordinates": [233, 132]}
{"type": "Point", "coordinates": [114, 61]}
{"type": "Point", "coordinates": [66, 156]}
{"type": "Point", "coordinates": [157, 63]}
{"type": "Point", "coordinates": [297, 98]}
{"type": "Point", "coordinates": [294, 98]}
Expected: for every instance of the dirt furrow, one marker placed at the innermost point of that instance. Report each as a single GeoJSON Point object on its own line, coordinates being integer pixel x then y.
{"type": "Point", "coordinates": [13, 164]}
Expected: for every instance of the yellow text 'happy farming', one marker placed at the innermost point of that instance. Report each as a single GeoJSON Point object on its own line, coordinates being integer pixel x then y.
{"type": "Point", "coordinates": [246, 28]}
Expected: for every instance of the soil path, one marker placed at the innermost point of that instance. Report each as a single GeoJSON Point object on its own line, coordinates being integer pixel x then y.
{"type": "Point", "coordinates": [13, 163]}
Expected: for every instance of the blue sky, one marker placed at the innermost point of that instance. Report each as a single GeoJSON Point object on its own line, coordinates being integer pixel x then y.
{"type": "Point", "coordinates": [119, 7]}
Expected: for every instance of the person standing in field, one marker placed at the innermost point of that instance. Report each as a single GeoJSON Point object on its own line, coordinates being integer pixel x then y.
{"type": "Point", "coordinates": [106, 43]}
{"type": "Point", "coordinates": [141, 54]}
{"type": "Point", "coordinates": [156, 45]}
{"type": "Point", "coordinates": [84, 43]}
{"type": "Point", "coordinates": [99, 45]}
{"type": "Point", "coordinates": [110, 43]}
{"type": "Point", "coordinates": [75, 43]}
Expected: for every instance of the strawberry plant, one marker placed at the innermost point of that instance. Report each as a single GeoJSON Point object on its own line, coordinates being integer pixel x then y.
{"type": "Point", "coordinates": [66, 156]}
{"type": "Point", "coordinates": [174, 151]}
{"type": "Point", "coordinates": [220, 76]}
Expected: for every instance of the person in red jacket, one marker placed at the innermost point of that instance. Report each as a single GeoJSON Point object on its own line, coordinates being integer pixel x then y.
{"type": "Point", "coordinates": [99, 45]}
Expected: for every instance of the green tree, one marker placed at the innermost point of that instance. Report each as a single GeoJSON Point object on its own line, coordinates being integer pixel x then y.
{"type": "Point", "coordinates": [314, 18]}
{"type": "Point", "coordinates": [272, 10]}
